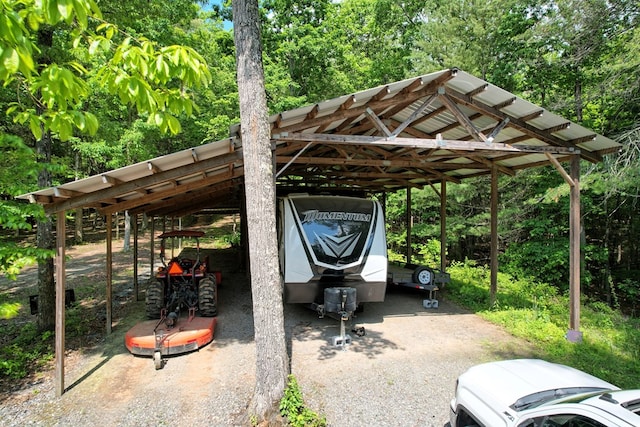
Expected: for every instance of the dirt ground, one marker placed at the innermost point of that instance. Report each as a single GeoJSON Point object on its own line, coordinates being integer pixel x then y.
{"type": "Point", "coordinates": [400, 373]}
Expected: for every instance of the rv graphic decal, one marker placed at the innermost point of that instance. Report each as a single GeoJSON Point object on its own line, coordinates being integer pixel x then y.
{"type": "Point", "coordinates": [338, 247]}
{"type": "Point", "coordinates": [337, 237]}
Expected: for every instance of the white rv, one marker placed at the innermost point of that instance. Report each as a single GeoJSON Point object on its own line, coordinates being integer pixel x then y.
{"type": "Point", "coordinates": [331, 242]}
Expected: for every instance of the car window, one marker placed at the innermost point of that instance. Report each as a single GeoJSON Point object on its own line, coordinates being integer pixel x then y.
{"type": "Point", "coordinates": [561, 420]}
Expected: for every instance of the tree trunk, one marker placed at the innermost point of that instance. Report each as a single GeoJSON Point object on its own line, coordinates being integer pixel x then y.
{"type": "Point", "coordinates": [45, 240]}
{"type": "Point", "coordinates": [78, 237]}
{"type": "Point", "coordinates": [272, 364]}
{"type": "Point", "coordinates": [127, 232]}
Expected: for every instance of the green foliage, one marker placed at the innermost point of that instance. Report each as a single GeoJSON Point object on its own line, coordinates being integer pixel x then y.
{"type": "Point", "coordinates": [292, 407]}
{"type": "Point", "coordinates": [9, 310]}
{"type": "Point", "coordinates": [543, 259]}
{"type": "Point", "coordinates": [536, 312]}
{"type": "Point", "coordinates": [152, 79]}
{"type": "Point", "coordinates": [13, 257]}
{"type": "Point", "coordinates": [29, 350]}
{"type": "Point", "coordinates": [428, 253]}
{"type": "Point", "coordinates": [231, 239]}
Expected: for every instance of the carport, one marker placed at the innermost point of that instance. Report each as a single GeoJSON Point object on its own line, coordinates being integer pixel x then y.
{"type": "Point", "coordinates": [424, 131]}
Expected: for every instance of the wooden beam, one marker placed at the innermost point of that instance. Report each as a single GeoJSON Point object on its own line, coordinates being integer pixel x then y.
{"type": "Point", "coordinates": [377, 123]}
{"type": "Point", "coordinates": [176, 190]}
{"type": "Point", "coordinates": [414, 115]}
{"type": "Point", "coordinates": [462, 118]}
{"type": "Point", "coordinates": [60, 301]}
{"type": "Point", "coordinates": [153, 168]}
{"type": "Point", "coordinates": [560, 169]}
{"type": "Point", "coordinates": [519, 123]}
{"type": "Point", "coordinates": [150, 180]}
{"type": "Point", "coordinates": [531, 116]}
{"type": "Point", "coordinates": [557, 128]}
{"type": "Point", "coordinates": [111, 180]}
{"type": "Point", "coordinates": [504, 103]}
{"type": "Point", "coordinates": [65, 193]}
{"type": "Point", "coordinates": [490, 164]}
{"type": "Point", "coordinates": [422, 143]}
{"type": "Point", "coordinates": [418, 165]}
{"type": "Point", "coordinates": [184, 201]}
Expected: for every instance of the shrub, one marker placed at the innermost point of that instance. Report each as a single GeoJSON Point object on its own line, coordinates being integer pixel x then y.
{"type": "Point", "coordinates": [292, 407]}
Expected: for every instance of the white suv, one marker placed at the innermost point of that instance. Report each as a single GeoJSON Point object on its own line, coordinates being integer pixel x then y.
{"type": "Point", "coordinates": [535, 393]}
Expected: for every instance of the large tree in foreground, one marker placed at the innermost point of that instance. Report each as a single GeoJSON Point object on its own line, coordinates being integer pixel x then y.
{"type": "Point", "coordinates": [272, 360]}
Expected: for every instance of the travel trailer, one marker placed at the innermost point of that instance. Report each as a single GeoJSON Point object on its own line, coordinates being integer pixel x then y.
{"type": "Point", "coordinates": [331, 242]}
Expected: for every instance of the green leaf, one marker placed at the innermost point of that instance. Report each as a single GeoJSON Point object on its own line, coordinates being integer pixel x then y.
{"type": "Point", "coordinates": [65, 131]}
{"type": "Point", "coordinates": [133, 88]}
{"type": "Point", "coordinates": [81, 13]}
{"type": "Point", "coordinates": [52, 14]}
{"type": "Point", "coordinates": [174, 124]}
{"type": "Point", "coordinates": [91, 123]}
{"type": "Point", "coordinates": [34, 125]}
{"type": "Point", "coordinates": [33, 20]}
{"type": "Point", "coordinates": [158, 119]}
{"type": "Point", "coordinates": [94, 46]}
{"type": "Point", "coordinates": [65, 9]}
{"type": "Point", "coordinates": [10, 60]}
{"type": "Point", "coordinates": [26, 62]}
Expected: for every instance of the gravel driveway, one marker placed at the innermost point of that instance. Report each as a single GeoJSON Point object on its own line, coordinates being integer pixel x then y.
{"type": "Point", "coordinates": [401, 373]}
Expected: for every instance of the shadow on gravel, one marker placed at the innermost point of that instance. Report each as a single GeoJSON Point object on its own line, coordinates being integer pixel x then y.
{"type": "Point", "coordinates": [371, 345]}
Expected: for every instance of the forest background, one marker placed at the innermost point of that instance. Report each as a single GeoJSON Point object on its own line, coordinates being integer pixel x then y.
{"type": "Point", "coordinates": [584, 66]}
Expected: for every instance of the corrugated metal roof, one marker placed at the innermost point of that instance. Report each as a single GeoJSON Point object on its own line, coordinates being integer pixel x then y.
{"type": "Point", "coordinates": [447, 125]}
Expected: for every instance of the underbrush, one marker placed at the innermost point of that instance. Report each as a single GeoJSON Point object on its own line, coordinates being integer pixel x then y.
{"type": "Point", "coordinates": [292, 407]}
{"type": "Point", "coordinates": [26, 352]}
{"type": "Point", "coordinates": [538, 313]}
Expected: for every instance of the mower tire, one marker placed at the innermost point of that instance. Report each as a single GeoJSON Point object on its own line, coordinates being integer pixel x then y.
{"type": "Point", "coordinates": [157, 360]}
{"type": "Point", "coordinates": [208, 298]}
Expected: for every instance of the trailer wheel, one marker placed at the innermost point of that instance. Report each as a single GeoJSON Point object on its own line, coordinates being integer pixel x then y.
{"type": "Point", "coordinates": [422, 275]}
{"type": "Point", "coordinates": [154, 301]}
{"type": "Point", "coordinates": [207, 298]}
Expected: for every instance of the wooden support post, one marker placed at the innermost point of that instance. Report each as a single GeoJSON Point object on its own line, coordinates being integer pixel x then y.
{"type": "Point", "coordinates": [574, 333]}
{"type": "Point", "coordinates": [60, 300]}
{"type": "Point", "coordinates": [494, 235]}
{"type": "Point", "coordinates": [109, 295]}
{"type": "Point", "coordinates": [573, 179]}
{"type": "Point", "coordinates": [135, 255]}
{"type": "Point", "coordinates": [152, 248]}
{"type": "Point", "coordinates": [409, 222]}
{"type": "Point", "coordinates": [443, 226]}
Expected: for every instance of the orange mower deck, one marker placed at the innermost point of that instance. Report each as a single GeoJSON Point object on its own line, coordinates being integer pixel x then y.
{"type": "Point", "coordinates": [187, 335]}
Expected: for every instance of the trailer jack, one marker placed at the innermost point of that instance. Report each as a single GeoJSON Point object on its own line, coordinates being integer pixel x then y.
{"type": "Point", "coordinates": [343, 339]}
